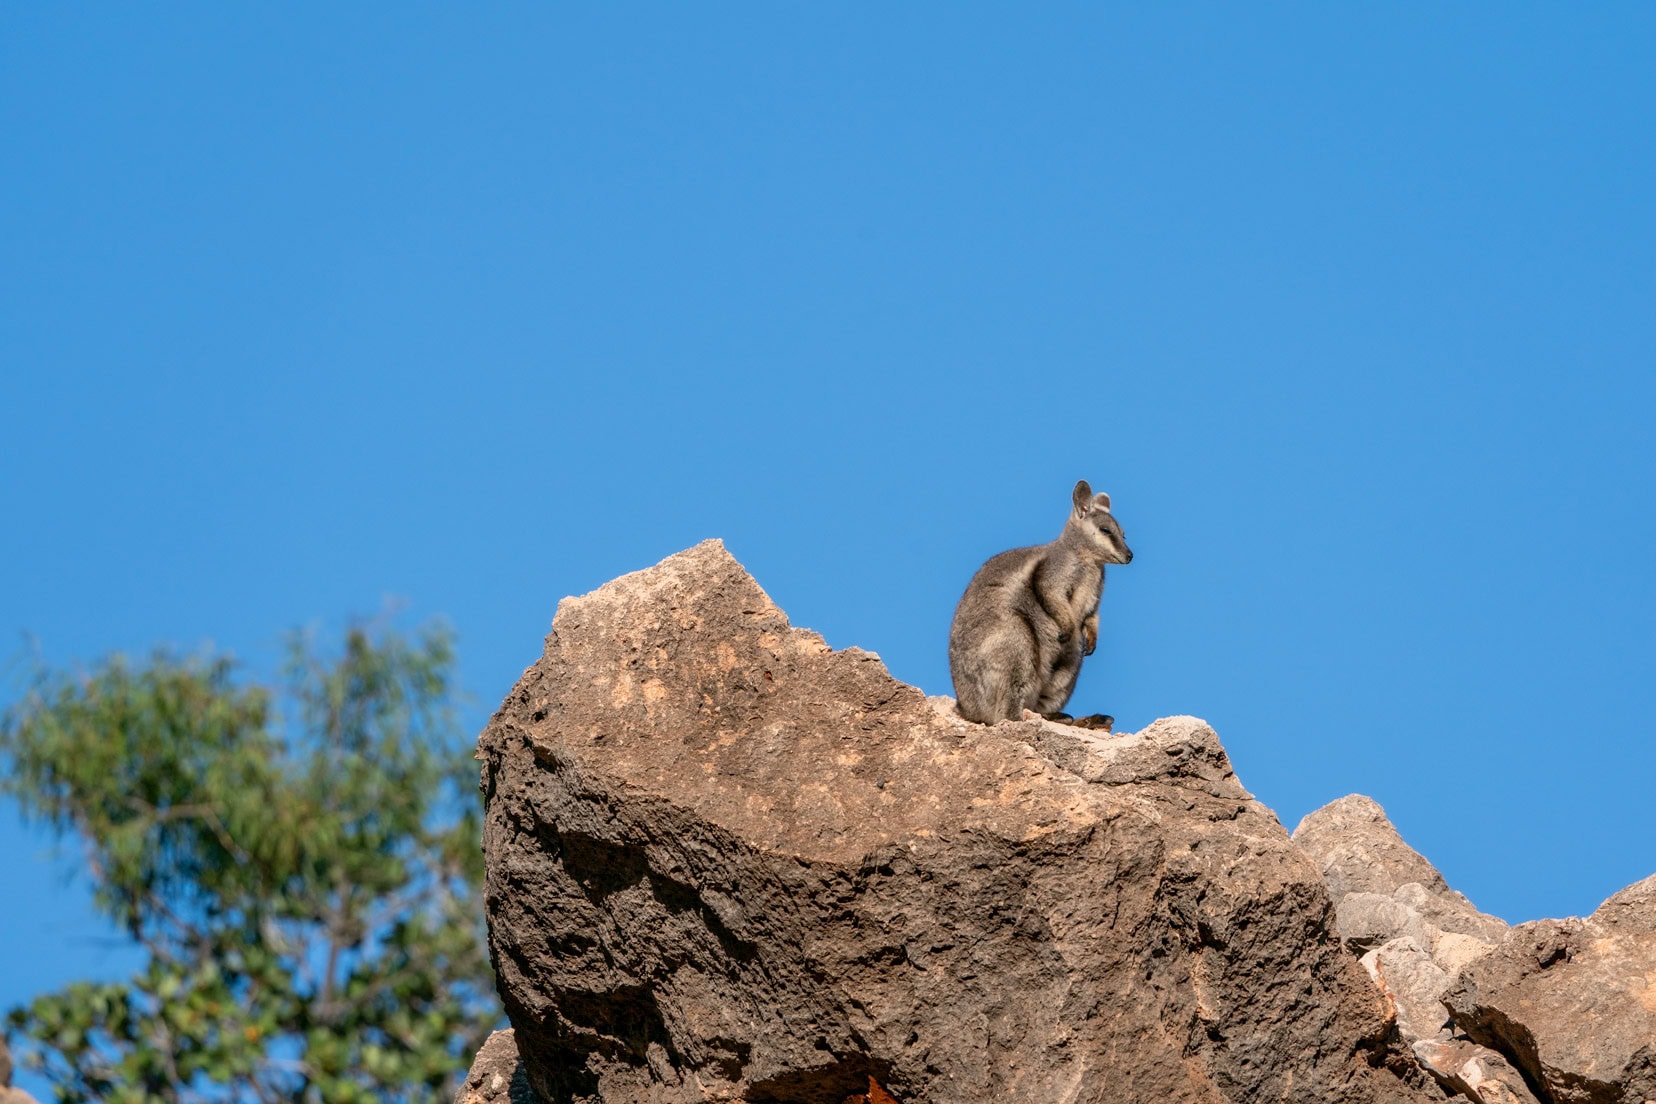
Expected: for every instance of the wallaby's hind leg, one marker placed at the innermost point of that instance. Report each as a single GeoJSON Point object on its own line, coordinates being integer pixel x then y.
{"type": "Point", "coordinates": [997, 678]}
{"type": "Point", "coordinates": [1011, 696]}
{"type": "Point", "coordinates": [997, 704]}
{"type": "Point", "coordinates": [993, 696]}
{"type": "Point", "coordinates": [973, 704]}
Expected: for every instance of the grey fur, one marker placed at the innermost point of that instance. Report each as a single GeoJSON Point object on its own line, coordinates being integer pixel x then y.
{"type": "Point", "coordinates": [1029, 616]}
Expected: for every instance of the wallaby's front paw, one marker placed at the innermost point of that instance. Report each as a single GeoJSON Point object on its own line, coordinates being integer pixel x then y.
{"type": "Point", "coordinates": [1098, 722]}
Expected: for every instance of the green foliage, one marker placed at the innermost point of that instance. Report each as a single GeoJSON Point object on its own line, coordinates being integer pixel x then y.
{"type": "Point", "coordinates": [304, 883]}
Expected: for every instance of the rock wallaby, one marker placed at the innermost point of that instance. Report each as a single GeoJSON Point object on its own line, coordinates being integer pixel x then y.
{"type": "Point", "coordinates": [1029, 616]}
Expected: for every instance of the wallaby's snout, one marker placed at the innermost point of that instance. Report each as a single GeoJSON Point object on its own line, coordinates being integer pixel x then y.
{"type": "Point", "coordinates": [1103, 533]}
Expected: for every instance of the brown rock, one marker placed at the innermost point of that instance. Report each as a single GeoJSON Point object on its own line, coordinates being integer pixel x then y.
{"type": "Point", "coordinates": [1359, 852]}
{"type": "Point", "coordinates": [1413, 984]}
{"type": "Point", "coordinates": [726, 863]}
{"type": "Point", "coordinates": [496, 1075]}
{"type": "Point", "coordinates": [1367, 920]}
{"type": "Point", "coordinates": [1454, 952]}
{"type": "Point", "coordinates": [1573, 1002]}
{"type": "Point", "coordinates": [1476, 1072]}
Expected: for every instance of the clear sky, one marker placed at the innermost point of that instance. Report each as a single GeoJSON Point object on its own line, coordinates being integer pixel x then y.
{"type": "Point", "coordinates": [1352, 311]}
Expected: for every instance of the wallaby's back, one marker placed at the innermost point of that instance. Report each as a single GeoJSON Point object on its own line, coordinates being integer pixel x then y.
{"type": "Point", "coordinates": [1030, 615]}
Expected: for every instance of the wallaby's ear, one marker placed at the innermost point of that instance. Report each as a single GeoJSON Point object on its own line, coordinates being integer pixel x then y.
{"type": "Point", "coordinates": [1082, 497]}
{"type": "Point", "coordinates": [1102, 502]}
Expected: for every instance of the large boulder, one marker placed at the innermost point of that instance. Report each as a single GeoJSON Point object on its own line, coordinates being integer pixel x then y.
{"type": "Point", "coordinates": [1415, 935]}
{"type": "Point", "coordinates": [1382, 887]}
{"type": "Point", "coordinates": [1480, 1074]}
{"type": "Point", "coordinates": [1573, 1002]}
{"type": "Point", "coordinates": [726, 863]}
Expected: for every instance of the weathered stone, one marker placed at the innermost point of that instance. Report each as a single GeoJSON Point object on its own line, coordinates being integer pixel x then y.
{"type": "Point", "coordinates": [496, 1075]}
{"type": "Point", "coordinates": [1573, 1002]}
{"type": "Point", "coordinates": [727, 863]}
{"type": "Point", "coordinates": [1476, 1072]}
{"type": "Point", "coordinates": [1414, 985]}
{"type": "Point", "coordinates": [1358, 851]}
{"type": "Point", "coordinates": [1180, 748]}
{"type": "Point", "coordinates": [1367, 920]}
{"type": "Point", "coordinates": [1454, 952]}
{"type": "Point", "coordinates": [1393, 907]}
{"type": "Point", "coordinates": [1450, 912]}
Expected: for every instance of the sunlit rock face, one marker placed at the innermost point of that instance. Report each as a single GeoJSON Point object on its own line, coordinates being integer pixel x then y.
{"type": "Point", "coordinates": [1573, 1002]}
{"type": "Point", "coordinates": [496, 1075]}
{"type": "Point", "coordinates": [1558, 1011]}
{"type": "Point", "coordinates": [1415, 934]}
{"type": "Point", "coordinates": [727, 863]}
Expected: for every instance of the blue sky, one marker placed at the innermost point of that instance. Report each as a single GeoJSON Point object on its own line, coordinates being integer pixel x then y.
{"type": "Point", "coordinates": [1353, 313]}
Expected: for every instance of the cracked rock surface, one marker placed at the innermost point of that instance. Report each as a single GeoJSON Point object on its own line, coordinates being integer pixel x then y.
{"type": "Point", "coordinates": [1554, 1011]}
{"type": "Point", "coordinates": [727, 863]}
{"type": "Point", "coordinates": [1382, 887]}
{"type": "Point", "coordinates": [1573, 1002]}
{"type": "Point", "coordinates": [1415, 934]}
{"type": "Point", "coordinates": [496, 1075]}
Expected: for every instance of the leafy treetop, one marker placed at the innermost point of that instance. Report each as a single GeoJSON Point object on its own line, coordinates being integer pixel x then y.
{"type": "Point", "coordinates": [299, 864]}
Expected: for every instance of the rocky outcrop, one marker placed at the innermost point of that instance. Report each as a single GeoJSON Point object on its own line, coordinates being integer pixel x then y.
{"type": "Point", "coordinates": [1573, 1002]}
{"type": "Point", "coordinates": [1384, 889]}
{"type": "Point", "coordinates": [1557, 1011]}
{"type": "Point", "coordinates": [1415, 935]}
{"type": "Point", "coordinates": [726, 863]}
{"type": "Point", "coordinates": [1475, 1072]}
{"type": "Point", "coordinates": [496, 1075]}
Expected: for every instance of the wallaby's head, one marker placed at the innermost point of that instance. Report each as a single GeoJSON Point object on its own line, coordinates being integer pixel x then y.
{"type": "Point", "coordinates": [1098, 529]}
